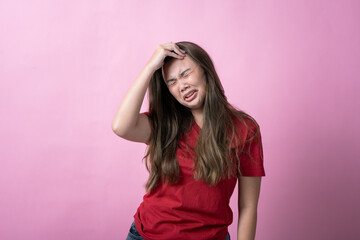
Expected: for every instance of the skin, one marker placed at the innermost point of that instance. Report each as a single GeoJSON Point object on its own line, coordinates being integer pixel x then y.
{"type": "Point", "coordinates": [182, 76]}
{"type": "Point", "coordinates": [248, 197]}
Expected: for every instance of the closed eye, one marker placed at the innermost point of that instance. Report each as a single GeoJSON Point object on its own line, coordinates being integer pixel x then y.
{"type": "Point", "coordinates": [171, 81]}
{"type": "Point", "coordinates": [186, 75]}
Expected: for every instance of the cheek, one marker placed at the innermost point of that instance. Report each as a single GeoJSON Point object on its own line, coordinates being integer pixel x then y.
{"type": "Point", "coordinates": [203, 86]}
{"type": "Point", "coordinates": [173, 93]}
{"type": "Point", "coordinates": [201, 81]}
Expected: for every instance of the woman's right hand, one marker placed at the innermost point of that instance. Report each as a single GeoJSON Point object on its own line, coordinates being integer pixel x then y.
{"type": "Point", "coordinates": [167, 49]}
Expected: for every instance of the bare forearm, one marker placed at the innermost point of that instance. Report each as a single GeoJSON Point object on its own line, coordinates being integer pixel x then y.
{"type": "Point", "coordinates": [247, 224]}
{"type": "Point", "coordinates": [128, 112]}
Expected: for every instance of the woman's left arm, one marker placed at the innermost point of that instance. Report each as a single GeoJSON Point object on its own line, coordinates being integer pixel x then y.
{"type": "Point", "coordinates": [248, 196]}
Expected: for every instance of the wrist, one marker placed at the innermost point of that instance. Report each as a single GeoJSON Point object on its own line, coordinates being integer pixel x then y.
{"type": "Point", "coordinates": [149, 69]}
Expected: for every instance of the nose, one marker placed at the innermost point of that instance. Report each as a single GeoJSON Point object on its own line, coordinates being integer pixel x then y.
{"type": "Point", "coordinates": [183, 85]}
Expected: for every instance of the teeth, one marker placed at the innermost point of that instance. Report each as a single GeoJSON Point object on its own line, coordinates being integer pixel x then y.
{"type": "Point", "coordinates": [190, 94]}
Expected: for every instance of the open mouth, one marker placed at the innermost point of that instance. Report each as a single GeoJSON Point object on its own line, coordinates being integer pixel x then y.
{"type": "Point", "coordinates": [190, 96]}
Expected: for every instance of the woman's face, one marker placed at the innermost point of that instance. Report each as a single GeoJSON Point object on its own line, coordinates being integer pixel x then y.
{"type": "Point", "coordinates": [186, 81]}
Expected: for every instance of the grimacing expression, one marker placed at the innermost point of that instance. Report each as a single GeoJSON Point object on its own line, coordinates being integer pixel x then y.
{"type": "Point", "coordinates": [186, 81]}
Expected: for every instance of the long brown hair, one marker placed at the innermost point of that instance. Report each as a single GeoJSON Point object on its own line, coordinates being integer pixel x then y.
{"type": "Point", "coordinates": [169, 120]}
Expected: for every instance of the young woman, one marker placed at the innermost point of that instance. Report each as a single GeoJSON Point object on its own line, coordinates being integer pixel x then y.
{"type": "Point", "coordinates": [198, 147]}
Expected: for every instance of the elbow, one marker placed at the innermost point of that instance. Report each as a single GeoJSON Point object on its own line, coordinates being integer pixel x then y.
{"type": "Point", "coordinates": [117, 130]}
{"type": "Point", "coordinates": [113, 127]}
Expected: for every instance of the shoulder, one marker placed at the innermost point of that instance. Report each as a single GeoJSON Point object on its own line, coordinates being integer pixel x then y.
{"type": "Point", "coordinates": [245, 122]}
{"type": "Point", "coordinates": [246, 127]}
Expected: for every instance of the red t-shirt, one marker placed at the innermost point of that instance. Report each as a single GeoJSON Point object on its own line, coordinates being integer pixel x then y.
{"type": "Point", "coordinates": [192, 209]}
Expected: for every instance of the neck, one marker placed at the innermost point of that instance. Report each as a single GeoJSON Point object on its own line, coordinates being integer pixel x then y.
{"type": "Point", "coordinates": [198, 116]}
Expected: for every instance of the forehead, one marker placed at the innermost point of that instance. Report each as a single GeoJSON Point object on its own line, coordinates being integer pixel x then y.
{"type": "Point", "coordinates": [175, 66]}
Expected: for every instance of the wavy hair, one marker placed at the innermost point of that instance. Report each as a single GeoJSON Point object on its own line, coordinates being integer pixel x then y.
{"type": "Point", "coordinates": [218, 139]}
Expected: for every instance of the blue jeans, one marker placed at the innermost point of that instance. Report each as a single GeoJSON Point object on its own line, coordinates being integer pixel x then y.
{"type": "Point", "coordinates": [134, 234]}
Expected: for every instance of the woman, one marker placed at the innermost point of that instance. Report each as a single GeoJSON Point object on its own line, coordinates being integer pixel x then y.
{"type": "Point", "coordinates": [199, 145]}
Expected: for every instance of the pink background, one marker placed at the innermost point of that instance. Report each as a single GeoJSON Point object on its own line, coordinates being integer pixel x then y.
{"type": "Point", "coordinates": [66, 65]}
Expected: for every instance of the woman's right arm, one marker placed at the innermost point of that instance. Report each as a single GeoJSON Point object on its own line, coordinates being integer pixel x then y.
{"type": "Point", "coordinates": [128, 122]}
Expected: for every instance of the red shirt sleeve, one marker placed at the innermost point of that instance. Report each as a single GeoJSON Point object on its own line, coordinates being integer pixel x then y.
{"type": "Point", "coordinates": [254, 167]}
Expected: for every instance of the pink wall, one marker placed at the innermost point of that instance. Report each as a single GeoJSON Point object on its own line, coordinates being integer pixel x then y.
{"type": "Point", "coordinates": [65, 66]}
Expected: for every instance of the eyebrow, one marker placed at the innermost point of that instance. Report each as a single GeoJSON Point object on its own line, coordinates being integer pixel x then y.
{"type": "Point", "coordinates": [181, 74]}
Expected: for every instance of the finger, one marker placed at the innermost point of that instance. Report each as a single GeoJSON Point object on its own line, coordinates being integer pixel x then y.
{"type": "Point", "coordinates": [168, 46]}
{"type": "Point", "coordinates": [173, 47]}
{"type": "Point", "coordinates": [178, 51]}
{"type": "Point", "coordinates": [181, 49]}
{"type": "Point", "coordinates": [175, 55]}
